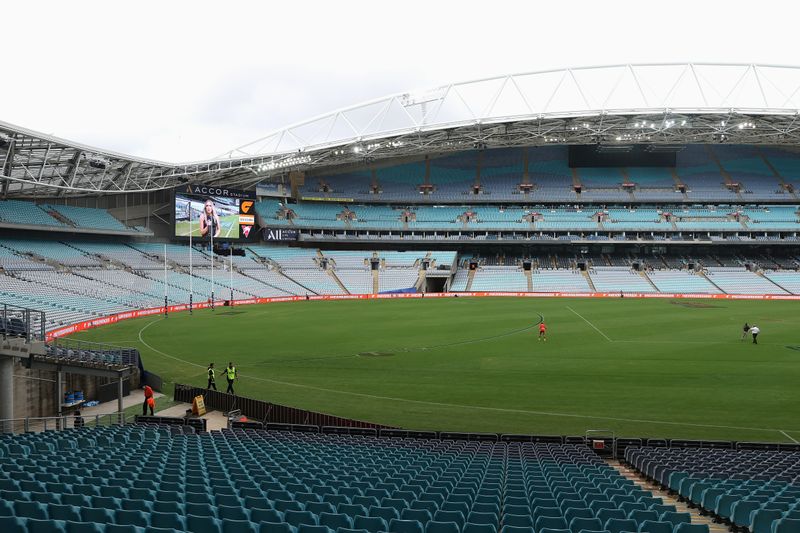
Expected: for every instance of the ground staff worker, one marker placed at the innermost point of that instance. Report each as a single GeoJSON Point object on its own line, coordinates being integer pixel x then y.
{"type": "Point", "coordinates": [212, 378]}
{"type": "Point", "coordinates": [230, 375]}
{"type": "Point", "coordinates": [149, 401]}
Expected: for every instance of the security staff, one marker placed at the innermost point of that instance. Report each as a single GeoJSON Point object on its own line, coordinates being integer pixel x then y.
{"type": "Point", "coordinates": [212, 378]}
{"type": "Point", "coordinates": [230, 375]}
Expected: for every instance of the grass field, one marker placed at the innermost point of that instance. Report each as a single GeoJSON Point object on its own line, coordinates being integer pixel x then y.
{"type": "Point", "coordinates": [229, 224]}
{"type": "Point", "coordinates": [660, 368]}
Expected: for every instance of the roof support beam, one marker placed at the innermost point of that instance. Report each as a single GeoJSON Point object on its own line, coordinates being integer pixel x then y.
{"type": "Point", "coordinates": [72, 172]}
{"type": "Point", "coordinates": [8, 165]}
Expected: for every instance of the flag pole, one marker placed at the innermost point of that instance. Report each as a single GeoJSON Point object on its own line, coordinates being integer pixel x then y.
{"type": "Point", "coordinates": [230, 249]}
{"type": "Point", "coordinates": [190, 257]}
{"type": "Point", "coordinates": [211, 230]}
{"type": "Point", "coordinates": [166, 303]}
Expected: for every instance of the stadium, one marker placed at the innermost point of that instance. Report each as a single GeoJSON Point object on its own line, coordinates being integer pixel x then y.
{"type": "Point", "coordinates": [554, 302]}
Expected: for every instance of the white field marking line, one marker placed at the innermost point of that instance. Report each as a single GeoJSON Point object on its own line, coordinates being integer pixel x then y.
{"type": "Point", "coordinates": [593, 326]}
{"type": "Point", "coordinates": [788, 436]}
{"type": "Point", "coordinates": [648, 341]}
{"type": "Point", "coordinates": [159, 351]}
{"type": "Point", "coordinates": [466, 407]}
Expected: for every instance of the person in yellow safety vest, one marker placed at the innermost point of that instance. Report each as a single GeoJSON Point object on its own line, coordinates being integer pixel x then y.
{"type": "Point", "coordinates": [230, 375]}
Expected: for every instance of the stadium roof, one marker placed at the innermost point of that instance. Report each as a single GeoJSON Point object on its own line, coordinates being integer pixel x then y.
{"type": "Point", "coordinates": [671, 104]}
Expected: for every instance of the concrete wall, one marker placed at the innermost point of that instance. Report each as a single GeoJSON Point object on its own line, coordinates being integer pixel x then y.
{"type": "Point", "coordinates": [35, 390]}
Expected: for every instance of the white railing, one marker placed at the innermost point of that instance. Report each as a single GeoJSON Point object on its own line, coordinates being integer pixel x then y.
{"type": "Point", "coordinates": [38, 424]}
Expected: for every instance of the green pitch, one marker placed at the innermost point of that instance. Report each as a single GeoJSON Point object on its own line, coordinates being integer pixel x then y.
{"type": "Point", "coordinates": [229, 223]}
{"type": "Point", "coordinates": [656, 368]}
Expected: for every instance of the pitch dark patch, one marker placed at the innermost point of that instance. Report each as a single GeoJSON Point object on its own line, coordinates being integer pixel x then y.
{"type": "Point", "coordinates": [696, 305]}
{"type": "Point", "coordinates": [794, 347]}
{"type": "Point", "coordinates": [227, 313]}
{"type": "Point", "coordinates": [375, 354]}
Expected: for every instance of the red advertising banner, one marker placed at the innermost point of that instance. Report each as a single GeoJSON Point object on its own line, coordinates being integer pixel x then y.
{"type": "Point", "coordinates": [113, 319]}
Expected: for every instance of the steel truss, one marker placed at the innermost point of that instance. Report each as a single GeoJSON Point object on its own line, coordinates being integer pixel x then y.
{"type": "Point", "coordinates": [668, 104]}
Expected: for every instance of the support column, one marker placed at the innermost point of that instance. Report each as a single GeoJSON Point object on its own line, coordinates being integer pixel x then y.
{"type": "Point", "coordinates": [6, 393]}
{"type": "Point", "coordinates": [119, 400]}
{"type": "Point", "coordinates": [59, 392]}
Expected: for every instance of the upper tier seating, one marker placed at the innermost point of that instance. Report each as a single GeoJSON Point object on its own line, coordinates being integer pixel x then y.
{"type": "Point", "coordinates": [87, 217]}
{"type": "Point", "coordinates": [641, 220]}
{"type": "Point", "coordinates": [708, 172]}
{"type": "Point", "coordinates": [61, 216]}
{"type": "Point", "coordinates": [245, 480]}
{"type": "Point", "coordinates": [18, 212]}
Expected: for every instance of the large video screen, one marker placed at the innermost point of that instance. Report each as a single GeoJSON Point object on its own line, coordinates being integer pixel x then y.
{"type": "Point", "coordinates": [218, 212]}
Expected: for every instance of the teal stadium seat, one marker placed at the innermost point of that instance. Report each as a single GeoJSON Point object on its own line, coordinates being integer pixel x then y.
{"type": "Point", "coordinates": [576, 525]}
{"type": "Point", "coordinates": [405, 526]}
{"type": "Point", "coordinates": [604, 515]}
{"type": "Point", "coordinates": [675, 518]}
{"type": "Point", "coordinates": [786, 525]}
{"type": "Point", "coordinates": [83, 527]}
{"type": "Point", "coordinates": [478, 528]}
{"type": "Point", "coordinates": [308, 528]}
{"type": "Point", "coordinates": [236, 526]}
{"type": "Point", "coordinates": [202, 524]}
{"type": "Point", "coordinates": [641, 516]}
{"type": "Point", "coordinates": [373, 524]}
{"type": "Point", "coordinates": [167, 520]}
{"type": "Point", "coordinates": [652, 526]}
{"type": "Point", "coordinates": [276, 527]}
{"type": "Point", "coordinates": [691, 528]}
{"type": "Point", "coordinates": [761, 520]}
{"type": "Point", "coordinates": [435, 526]}
{"type": "Point", "coordinates": [13, 524]}
{"type": "Point", "coordinates": [617, 525]}
{"type": "Point", "coordinates": [741, 511]}
{"type": "Point", "coordinates": [265, 515]}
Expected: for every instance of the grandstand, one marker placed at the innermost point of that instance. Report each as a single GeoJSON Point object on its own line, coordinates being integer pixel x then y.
{"type": "Point", "coordinates": [621, 197]}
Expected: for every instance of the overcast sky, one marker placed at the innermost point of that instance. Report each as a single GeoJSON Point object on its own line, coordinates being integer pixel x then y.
{"type": "Point", "coordinates": [189, 80]}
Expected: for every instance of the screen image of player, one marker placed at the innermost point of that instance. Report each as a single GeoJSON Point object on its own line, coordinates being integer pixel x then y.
{"type": "Point", "coordinates": [206, 216]}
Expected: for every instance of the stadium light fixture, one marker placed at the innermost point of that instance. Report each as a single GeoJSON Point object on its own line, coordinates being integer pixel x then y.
{"type": "Point", "coordinates": [284, 163]}
{"type": "Point", "coordinates": [96, 161]}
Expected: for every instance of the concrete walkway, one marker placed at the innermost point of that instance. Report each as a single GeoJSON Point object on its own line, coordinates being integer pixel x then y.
{"type": "Point", "coordinates": [215, 419]}
{"type": "Point", "coordinates": [134, 398]}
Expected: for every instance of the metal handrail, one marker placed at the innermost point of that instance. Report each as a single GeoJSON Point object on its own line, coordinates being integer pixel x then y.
{"type": "Point", "coordinates": [37, 424]}
{"type": "Point", "coordinates": [65, 348]}
{"type": "Point", "coordinates": [22, 322]}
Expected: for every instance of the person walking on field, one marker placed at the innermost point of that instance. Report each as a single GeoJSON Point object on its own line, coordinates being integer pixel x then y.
{"type": "Point", "coordinates": [542, 332]}
{"type": "Point", "coordinates": [745, 330]}
{"type": "Point", "coordinates": [212, 378]}
{"type": "Point", "coordinates": [149, 401]}
{"type": "Point", "coordinates": [755, 331]}
{"type": "Point", "coordinates": [230, 375]}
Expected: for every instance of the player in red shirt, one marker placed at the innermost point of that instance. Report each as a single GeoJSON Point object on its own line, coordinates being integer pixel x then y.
{"type": "Point", "coordinates": [542, 331]}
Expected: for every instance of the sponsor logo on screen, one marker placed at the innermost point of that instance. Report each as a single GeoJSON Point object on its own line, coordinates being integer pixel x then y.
{"type": "Point", "coordinates": [208, 190]}
{"type": "Point", "coordinates": [247, 219]}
